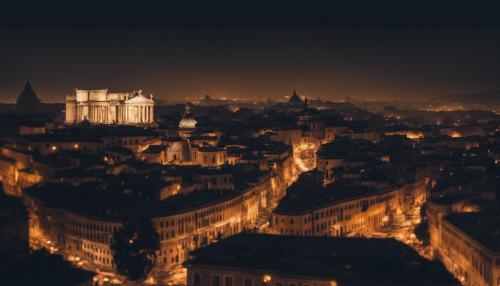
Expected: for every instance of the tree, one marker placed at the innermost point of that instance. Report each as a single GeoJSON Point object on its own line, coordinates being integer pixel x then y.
{"type": "Point", "coordinates": [422, 232]}
{"type": "Point", "coordinates": [134, 248]}
{"type": "Point", "coordinates": [422, 229]}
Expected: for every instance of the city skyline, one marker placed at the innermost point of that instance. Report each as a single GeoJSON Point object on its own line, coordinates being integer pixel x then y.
{"type": "Point", "coordinates": [250, 142]}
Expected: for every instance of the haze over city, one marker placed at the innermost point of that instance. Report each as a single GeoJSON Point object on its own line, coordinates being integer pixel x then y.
{"type": "Point", "coordinates": [251, 64]}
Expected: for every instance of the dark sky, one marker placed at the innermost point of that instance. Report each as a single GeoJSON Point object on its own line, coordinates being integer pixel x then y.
{"type": "Point", "coordinates": [250, 13]}
{"type": "Point", "coordinates": [250, 48]}
{"type": "Point", "coordinates": [177, 64]}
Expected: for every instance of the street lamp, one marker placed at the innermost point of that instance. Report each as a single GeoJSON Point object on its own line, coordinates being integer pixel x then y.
{"type": "Point", "coordinates": [266, 278]}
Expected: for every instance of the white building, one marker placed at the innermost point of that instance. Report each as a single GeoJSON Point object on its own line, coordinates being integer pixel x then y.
{"type": "Point", "coordinates": [187, 121]}
{"type": "Point", "coordinates": [102, 107]}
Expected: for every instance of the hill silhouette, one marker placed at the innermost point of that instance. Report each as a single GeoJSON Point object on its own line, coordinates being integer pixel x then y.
{"type": "Point", "coordinates": [491, 96]}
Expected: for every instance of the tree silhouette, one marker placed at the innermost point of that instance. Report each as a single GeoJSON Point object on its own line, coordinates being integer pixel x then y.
{"type": "Point", "coordinates": [134, 248]}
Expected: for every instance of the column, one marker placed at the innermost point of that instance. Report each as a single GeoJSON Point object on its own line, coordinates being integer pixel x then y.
{"type": "Point", "coordinates": [129, 114]}
{"type": "Point", "coordinates": [151, 110]}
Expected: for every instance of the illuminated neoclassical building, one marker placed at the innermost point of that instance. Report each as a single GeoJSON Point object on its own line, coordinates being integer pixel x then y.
{"type": "Point", "coordinates": [102, 107]}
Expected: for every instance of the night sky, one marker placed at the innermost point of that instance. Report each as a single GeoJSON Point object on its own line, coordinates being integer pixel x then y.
{"type": "Point", "coordinates": [249, 50]}
{"type": "Point", "coordinates": [251, 63]}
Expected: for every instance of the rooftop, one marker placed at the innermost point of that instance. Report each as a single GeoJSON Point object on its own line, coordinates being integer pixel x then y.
{"type": "Point", "coordinates": [193, 200]}
{"type": "Point", "coordinates": [9, 205]}
{"type": "Point", "coordinates": [448, 200]}
{"type": "Point", "coordinates": [119, 197]}
{"type": "Point", "coordinates": [115, 199]}
{"type": "Point", "coordinates": [308, 193]}
{"type": "Point", "coordinates": [94, 134]}
{"type": "Point", "coordinates": [482, 227]}
{"type": "Point", "coordinates": [348, 261]}
{"type": "Point", "coordinates": [155, 149]}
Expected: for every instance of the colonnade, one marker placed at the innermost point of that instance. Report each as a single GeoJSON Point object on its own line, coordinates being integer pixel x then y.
{"type": "Point", "coordinates": [116, 114]}
{"type": "Point", "coordinates": [139, 113]}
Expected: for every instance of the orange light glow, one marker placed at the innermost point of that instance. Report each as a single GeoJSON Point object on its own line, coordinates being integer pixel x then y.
{"type": "Point", "coordinates": [415, 135]}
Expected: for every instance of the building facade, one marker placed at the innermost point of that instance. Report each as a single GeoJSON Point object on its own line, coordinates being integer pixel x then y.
{"type": "Point", "coordinates": [466, 242]}
{"type": "Point", "coordinates": [351, 216]}
{"type": "Point", "coordinates": [86, 238]}
{"type": "Point", "coordinates": [102, 107]}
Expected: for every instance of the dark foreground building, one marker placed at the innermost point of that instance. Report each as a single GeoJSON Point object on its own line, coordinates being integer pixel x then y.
{"type": "Point", "coordinates": [271, 260]}
{"type": "Point", "coordinates": [41, 268]}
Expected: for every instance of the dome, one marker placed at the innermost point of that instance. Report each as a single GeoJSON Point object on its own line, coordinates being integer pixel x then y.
{"type": "Point", "coordinates": [28, 101]}
{"type": "Point", "coordinates": [187, 122]}
{"type": "Point", "coordinates": [295, 99]}
{"type": "Point", "coordinates": [28, 96]}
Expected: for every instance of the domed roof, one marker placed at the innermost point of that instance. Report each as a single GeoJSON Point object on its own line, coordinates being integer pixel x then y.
{"type": "Point", "coordinates": [28, 96]}
{"type": "Point", "coordinates": [295, 99]}
{"type": "Point", "coordinates": [187, 122]}
{"type": "Point", "coordinates": [28, 101]}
